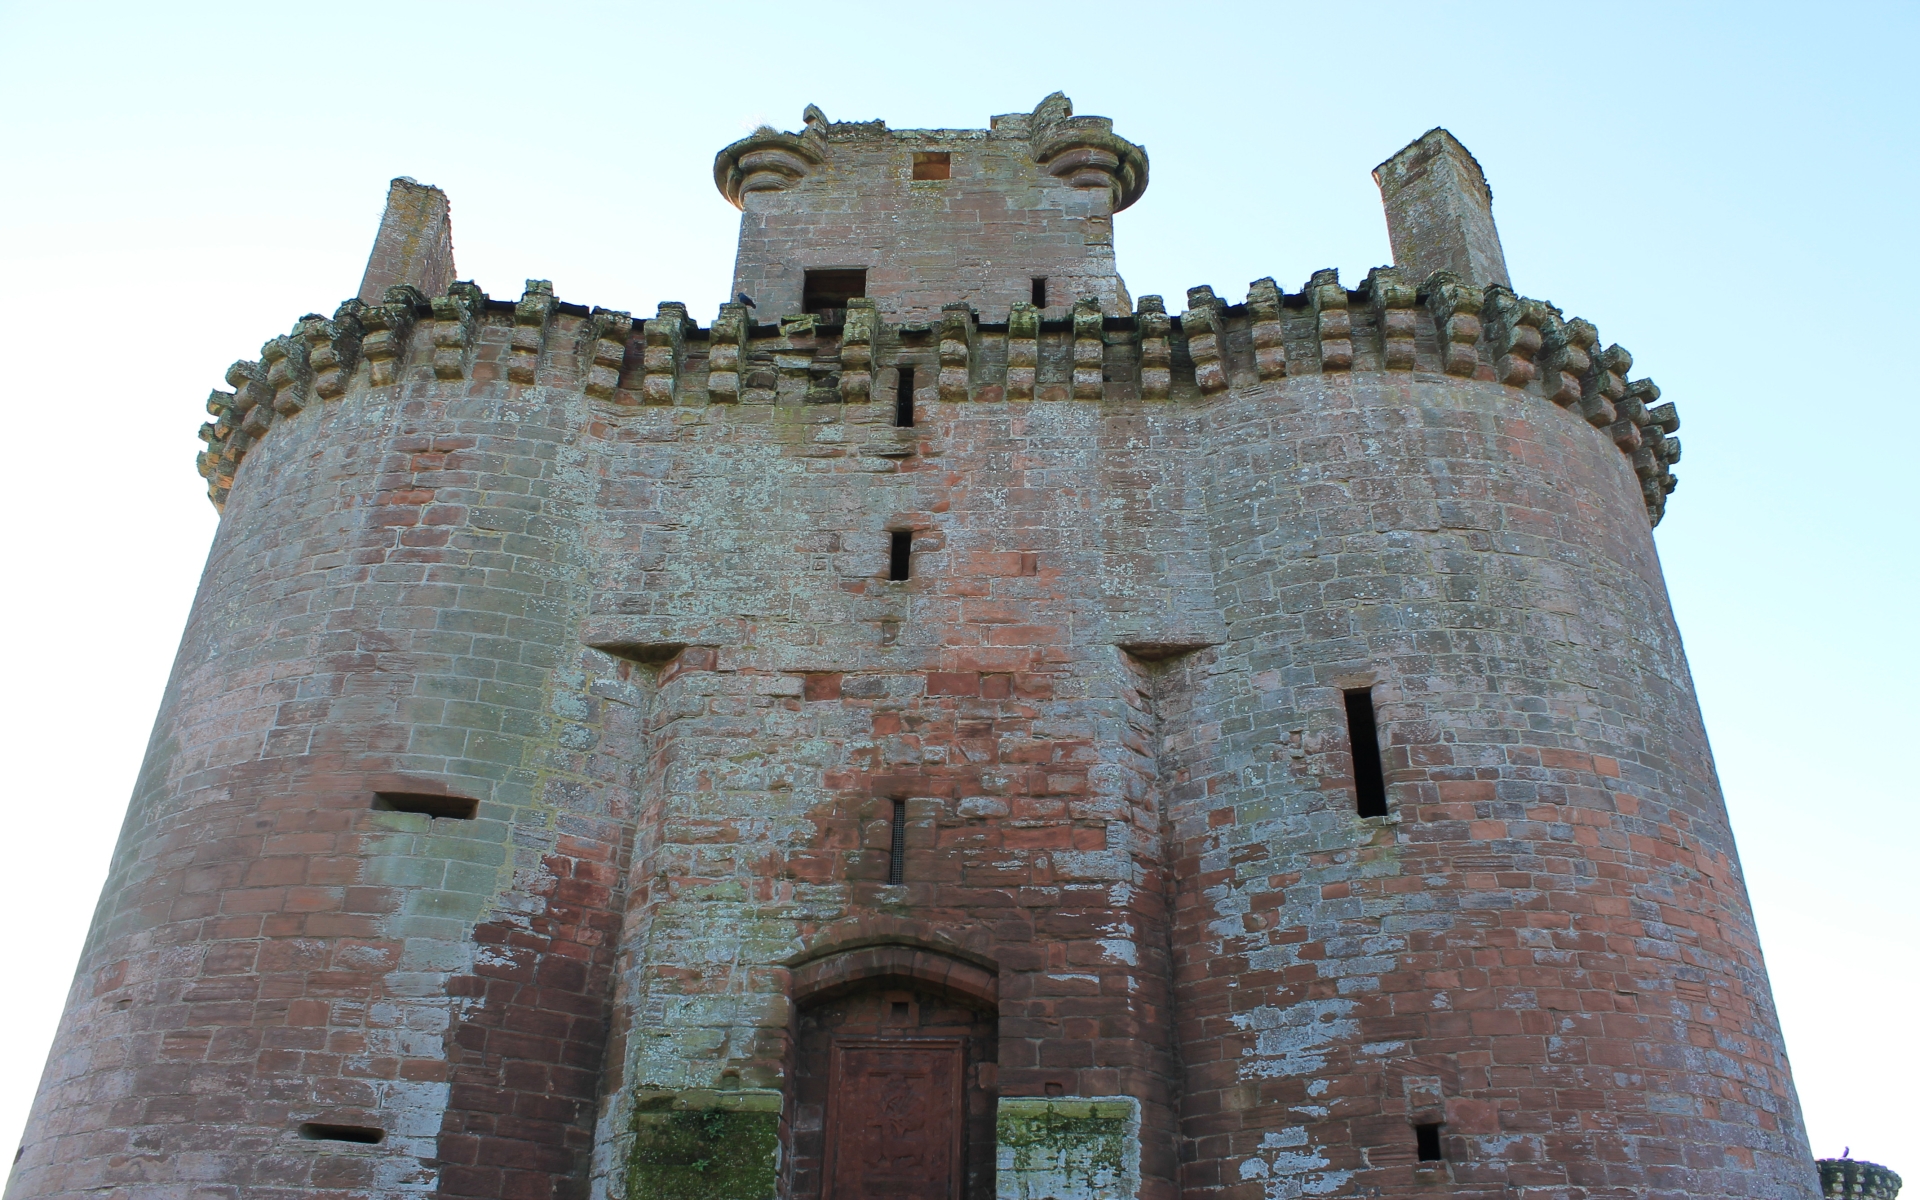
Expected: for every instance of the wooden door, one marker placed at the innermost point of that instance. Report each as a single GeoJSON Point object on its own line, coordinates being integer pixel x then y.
{"type": "Point", "coordinates": [895, 1118]}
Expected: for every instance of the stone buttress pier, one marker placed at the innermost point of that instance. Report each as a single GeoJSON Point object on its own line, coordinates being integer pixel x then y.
{"type": "Point", "coordinates": [944, 728]}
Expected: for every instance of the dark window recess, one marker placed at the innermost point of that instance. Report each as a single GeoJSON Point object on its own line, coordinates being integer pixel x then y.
{"type": "Point", "coordinates": [1039, 291]}
{"type": "Point", "coordinates": [901, 565]}
{"type": "Point", "coordinates": [932, 164]}
{"type": "Point", "coordinates": [1363, 737]}
{"type": "Point", "coordinates": [897, 860]}
{"type": "Point", "coordinates": [827, 292]}
{"type": "Point", "coordinates": [320, 1131]}
{"type": "Point", "coordinates": [1426, 1139]}
{"type": "Point", "coordinates": [901, 1009]}
{"type": "Point", "coordinates": [903, 400]}
{"type": "Point", "coordinates": [454, 808]}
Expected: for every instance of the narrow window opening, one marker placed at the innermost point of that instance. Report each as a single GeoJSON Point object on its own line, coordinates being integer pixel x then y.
{"type": "Point", "coordinates": [901, 1010]}
{"type": "Point", "coordinates": [1427, 1139]}
{"type": "Point", "coordinates": [1363, 737]}
{"type": "Point", "coordinates": [901, 565]}
{"type": "Point", "coordinates": [321, 1131]}
{"type": "Point", "coordinates": [903, 399]}
{"type": "Point", "coordinates": [932, 164]}
{"type": "Point", "coordinates": [897, 862]}
{"type": "Point", "coordinates": [827, 292]}
{"type": "Point", "coordinates": [1039, 291]}
{"type": "Point", "coordinates": [452, 808]}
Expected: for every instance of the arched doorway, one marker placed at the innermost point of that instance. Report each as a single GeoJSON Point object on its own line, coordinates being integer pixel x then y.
{"type": "Point", "coordinates": [894, 1082]}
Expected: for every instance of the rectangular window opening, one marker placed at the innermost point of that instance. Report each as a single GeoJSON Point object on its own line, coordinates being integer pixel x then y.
{"type": "Point", "coordinates": [932, 164]}
{"type": "Point", "coordinates": [1039, 291]}
{"type": "Point", "coordinates": [1427, 1140]}
{"type": "Point", "coordinates": [901, 565]}
{"type": "Point", "coordinates": [897, 861]}
{"type": "Point", "coordinates": [321, 1131]}
{"type": "Point", "coordinates": [452, 808]}
{"type": "Point", "coordinates": [827, 292]}
{"type": "Point", "coordinates": [903, 400]}
{"type": "Point", "coordinates": [1363, 739]}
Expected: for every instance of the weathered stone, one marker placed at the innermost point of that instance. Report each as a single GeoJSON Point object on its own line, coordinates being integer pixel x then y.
{"type": "Point", "coordinates": [631, 759]}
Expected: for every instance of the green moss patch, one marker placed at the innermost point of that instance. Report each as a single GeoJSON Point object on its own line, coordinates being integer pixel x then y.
{"type": "Point", "coordinates": [730, 1153]}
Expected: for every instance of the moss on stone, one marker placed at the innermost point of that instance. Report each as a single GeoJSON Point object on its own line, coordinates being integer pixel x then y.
{"type": "Point", "coordinates": [703, 1154]}
{"type": "Point", "coordinates": [1081, 1144]}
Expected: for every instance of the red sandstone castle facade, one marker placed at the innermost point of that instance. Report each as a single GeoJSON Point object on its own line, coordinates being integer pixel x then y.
{"type": "Point", "coordinates": [944, 729]}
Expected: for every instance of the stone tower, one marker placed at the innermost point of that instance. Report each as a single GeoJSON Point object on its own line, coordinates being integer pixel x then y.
{"type": "Point", "coordinates": [942, 729]}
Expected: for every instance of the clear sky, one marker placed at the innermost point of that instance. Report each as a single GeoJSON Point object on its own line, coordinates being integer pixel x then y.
{"type": "Point", "coordinates": [1726, 190]}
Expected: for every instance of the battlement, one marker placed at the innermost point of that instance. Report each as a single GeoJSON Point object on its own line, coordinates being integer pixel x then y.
{"type": "Point", "coordinates": [1272, 340]}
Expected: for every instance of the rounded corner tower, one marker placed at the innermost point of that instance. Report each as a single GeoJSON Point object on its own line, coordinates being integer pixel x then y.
{"type": "Point", "coordinates": [942, 731]}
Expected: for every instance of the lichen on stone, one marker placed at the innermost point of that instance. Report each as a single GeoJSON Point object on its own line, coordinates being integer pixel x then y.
{"type": "Point", "coordinates": [1068, 1148]}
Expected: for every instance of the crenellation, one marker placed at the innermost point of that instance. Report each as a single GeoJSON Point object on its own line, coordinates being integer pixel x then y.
{"type": "Point", "coordinates": [456, 316]}
{"type": "Point", "coordinates": [1513, 331]}
{"type": "Point", "coordinates": [1565, 359]}
{"type": "Point", "coordinates": [1156, 348]}
{"type": "Point", "coordinates": [531, 318]}
{"type": "Point", "coordinates": [605, 348]}
{"type": "Point", "coordinates": [1333, 323]}
{"type": "Point", "coordinates": [957, 323]}
{"type": "Point", "coordinates": [1089, 350]}
{"type": "Point", "coordinates": [388, 329]}
{"type": "Point", "coordinates": [333, 349]}
{"type": "Point", "coordinates": [288, 375]}
{"type": "Point", "coordinates": [856, 351]}
{"type": "Point", "coordinates": [1393, 302]}
{"type": "Point", "coordinates": [726, 351]}
{"type": "Point", "coordinates": [1203, 325]}
{"type": "Point", "coordinates": [1089, 355]}
{"type": "Point", "coordinates": [665, 333]}
{"type": "Point", "coordinates": [1265, 307]}
{"type": "Point", "coordinates": [1455, 310]}
{"type": "Point", "coordinates": [1023, 350]}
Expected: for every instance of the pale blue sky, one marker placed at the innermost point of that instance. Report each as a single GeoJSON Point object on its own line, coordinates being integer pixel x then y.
{"type": "Point", "coordinates": [1726, 190]}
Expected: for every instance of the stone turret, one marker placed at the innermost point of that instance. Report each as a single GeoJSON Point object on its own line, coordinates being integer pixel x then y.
{"type": "Point", "coordinates": [916, 219]}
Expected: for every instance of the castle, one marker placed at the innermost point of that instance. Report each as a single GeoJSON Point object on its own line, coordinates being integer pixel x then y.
{"type": "Point", "coordinates": [945, 729]}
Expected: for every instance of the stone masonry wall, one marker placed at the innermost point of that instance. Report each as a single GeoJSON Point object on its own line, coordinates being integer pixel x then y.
{"type": "Point", "coordinates": [987, 692]}
{"type": "Point", "coordinates": [1033, 196]}
{"type": "Point", "coordinates": [624, 586]}
{"type": "Point", "coordinates": [1545, 945]}
{"type": "Point", "coordinates": [391, 604]}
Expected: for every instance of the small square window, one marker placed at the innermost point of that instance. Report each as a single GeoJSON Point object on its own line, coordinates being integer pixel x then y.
{"type": "Point", "coordinates": [932, 164]}
{"type": "Point", "coordinates": [827, 292]}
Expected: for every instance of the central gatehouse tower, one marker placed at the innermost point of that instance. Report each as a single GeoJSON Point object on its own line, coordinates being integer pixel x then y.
{"type": "Point", "coordinates": [945, 728]}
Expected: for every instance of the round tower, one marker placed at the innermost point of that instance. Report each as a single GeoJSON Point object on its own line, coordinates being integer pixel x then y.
{"type": "Point", "coordinates": [355, 940]}
{"type": "Point", "coordinates": [943, 729]}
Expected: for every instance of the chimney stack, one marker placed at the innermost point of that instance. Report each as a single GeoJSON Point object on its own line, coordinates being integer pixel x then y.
{"type": "Point", "coordinates": [1440, 212]}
